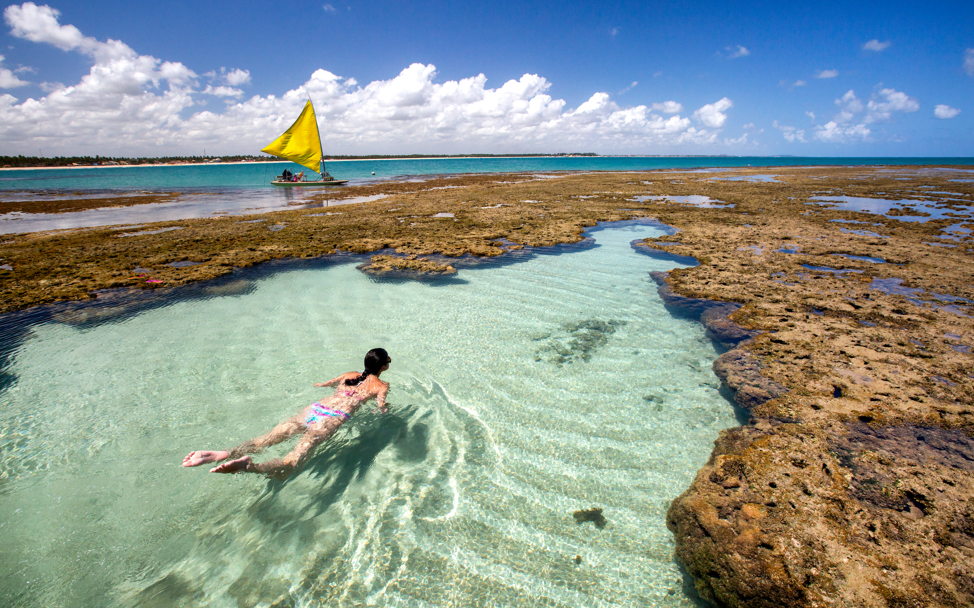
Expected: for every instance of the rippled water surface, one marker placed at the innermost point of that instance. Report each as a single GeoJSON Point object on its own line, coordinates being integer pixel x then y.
{"type": "Point", "coordinates": [520, 393]}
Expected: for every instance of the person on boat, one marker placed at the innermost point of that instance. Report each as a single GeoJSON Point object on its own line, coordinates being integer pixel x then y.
{"type": "Point", "coordinates": [318, 422]}
{"type": "Point", "coordinates": [299, 177]}
{"type": "Point", "coordinates": [286, 176]}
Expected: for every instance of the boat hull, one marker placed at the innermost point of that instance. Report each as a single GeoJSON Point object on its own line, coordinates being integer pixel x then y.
{"type": "Point", "coordinates": [331, 182]}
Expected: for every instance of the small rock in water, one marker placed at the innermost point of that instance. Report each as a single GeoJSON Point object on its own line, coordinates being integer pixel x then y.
{"type": "Point", "coordinates": [578, 559]}
{"type": "Point", "coordinates": [593, 515]}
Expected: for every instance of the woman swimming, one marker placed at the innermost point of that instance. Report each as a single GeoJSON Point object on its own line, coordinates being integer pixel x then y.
{"type": "Point", "coordinates": [318, 422]}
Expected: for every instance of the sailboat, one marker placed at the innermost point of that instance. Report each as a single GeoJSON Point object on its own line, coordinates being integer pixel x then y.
{"type": "Point", "coordinates": [301, 144]}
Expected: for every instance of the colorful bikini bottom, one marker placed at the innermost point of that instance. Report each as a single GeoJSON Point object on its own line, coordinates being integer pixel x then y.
{"type": "Point", "coordinates": [320, 412]}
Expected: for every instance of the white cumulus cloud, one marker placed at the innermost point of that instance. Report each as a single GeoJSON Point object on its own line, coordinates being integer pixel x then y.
{"type": "Point", "coordinates": [969, 62]}
{"type": "Point", "coordinates": [849, 106]}
{"type": "Point", "coordinates": [945, 111]}
{"type": "Point", "coordinates": [118, 70]}
{"type": "Point", "coordinates": [712, 114]}
{"type": "Point", "coordinates": [876, 45]}
{"type": "Point", "coordinates": [237, 77]}
{"type": "Point", "coordinates": [733, 52]}
{"type": "Point", "coordinates": [881, 107]}
{"type": "Point", "coordinates": [132, 104]}
{"type": "Point", "coordinates": [668, 107]}
{"type": "Point", "coordinates": [9, 80]}
{"type": "Point", "coordinates": [833, 132]}
{"type": "Point", "coordinates": [826, 73]}
{"type": "Point", "coordinates": [791, 134]}
{"type": "Point", "coordinates": [222, 91]}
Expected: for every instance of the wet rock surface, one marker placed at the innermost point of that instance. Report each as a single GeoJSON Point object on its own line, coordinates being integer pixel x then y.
{"type": "Point", "coordinates": [714, 315]}
{"type": "Point", "coordinates": [741, 372]}
{"type": "Point", "coordinates": [850, 337]}
{"type": "Point", "coordinates": [40, 202]}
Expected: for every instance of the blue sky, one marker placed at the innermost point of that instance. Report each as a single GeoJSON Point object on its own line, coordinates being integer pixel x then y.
{"type": "Point", "coordinates": [753, 78]}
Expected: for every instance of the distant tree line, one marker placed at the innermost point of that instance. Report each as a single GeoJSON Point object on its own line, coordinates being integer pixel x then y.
{"type": "Point", "coordinates": [96, 161]}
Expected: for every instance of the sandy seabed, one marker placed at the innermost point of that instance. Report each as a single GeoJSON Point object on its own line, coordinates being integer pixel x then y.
{"type": "Point", "coordinates": [849, 343]}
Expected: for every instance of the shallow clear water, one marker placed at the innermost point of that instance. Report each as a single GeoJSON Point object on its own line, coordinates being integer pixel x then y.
{"type": "Point", "coordinates": [190, 204]}
{"type": "Point", "coordinates": [520, 393]}
{"type": "Point", "coordinates": [260, 174]}
{"type": "Point", "coordinates": [883, 207]}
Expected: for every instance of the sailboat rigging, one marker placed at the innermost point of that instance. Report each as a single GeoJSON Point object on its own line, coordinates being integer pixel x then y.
{"type": "Point", "coordinates": [301, 144]}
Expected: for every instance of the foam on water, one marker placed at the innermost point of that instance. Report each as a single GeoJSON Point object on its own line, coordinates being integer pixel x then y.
{"type": "Point", "coordinates": [520, 393]}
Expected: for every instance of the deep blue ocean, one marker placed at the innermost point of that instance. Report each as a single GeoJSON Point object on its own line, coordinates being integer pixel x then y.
{"type": "Point", "coordinates": [259, 175]}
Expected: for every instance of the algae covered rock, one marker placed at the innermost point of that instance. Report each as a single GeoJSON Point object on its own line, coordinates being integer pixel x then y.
{"type": "Point", "coordinates": [741, 372]}
{"type": "Point", "coordinates": [849, 515]}
{"type": "Point", "coordinates": [593, 515]}
{"type": "Point", "coordinates": [386, 264]}
{"type": "Point", "coordinates": [576, 341]}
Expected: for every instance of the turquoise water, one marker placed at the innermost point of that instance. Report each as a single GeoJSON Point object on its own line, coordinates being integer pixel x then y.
{"type": "Point", "coordinates": [258, 175]}
{"type": "Point", "coordinates": [521, 392]}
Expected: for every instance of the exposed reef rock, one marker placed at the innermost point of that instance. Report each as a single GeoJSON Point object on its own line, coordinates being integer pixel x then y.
{"type": "Point", "coordinates": [714, 315]}
{"type": "Point", "coordinates": [741, 372]}
{"type": "Point", "coordinates": [387, 264]}
{"type": "Point", "coordinates": [846, 516]}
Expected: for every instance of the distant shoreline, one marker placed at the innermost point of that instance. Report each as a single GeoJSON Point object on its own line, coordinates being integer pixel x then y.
{"type": "Point", "coordinates": [333, 160]}
{"type": "Point", "coordinates": [962, 160]}
{"type": "Point", "coordinates": [327, 160]}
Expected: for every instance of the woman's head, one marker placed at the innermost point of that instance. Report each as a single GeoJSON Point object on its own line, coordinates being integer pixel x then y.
{"type": "Point", "coordinates": [376, 359]}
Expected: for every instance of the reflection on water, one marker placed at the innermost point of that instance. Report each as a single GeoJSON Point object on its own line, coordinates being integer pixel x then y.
{"type": "Point", "coordinates": [932, 209]}
{"type": "Point", "coordinates": [520, 394]}
{"type": "Point", "coordinates": [189, 204]}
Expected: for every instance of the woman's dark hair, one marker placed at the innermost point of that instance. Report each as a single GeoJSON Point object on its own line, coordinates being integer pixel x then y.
{"type": "Point", "coordinates": [375, 360]}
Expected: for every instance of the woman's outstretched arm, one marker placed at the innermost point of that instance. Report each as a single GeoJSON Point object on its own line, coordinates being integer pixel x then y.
{"type": "Point", "coordinates": [380, 399]}
{"type": "Point", "coordinates": [338, 379]}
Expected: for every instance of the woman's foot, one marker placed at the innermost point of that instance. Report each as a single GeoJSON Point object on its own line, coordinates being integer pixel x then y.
{"type": "Point", "coordinates": [233, 466]}
{"type": "Point", "coordinates": [195, 459]}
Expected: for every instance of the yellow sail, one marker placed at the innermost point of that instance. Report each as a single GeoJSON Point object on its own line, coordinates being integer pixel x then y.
{"type": "Point", "coordinates": [300, 143]}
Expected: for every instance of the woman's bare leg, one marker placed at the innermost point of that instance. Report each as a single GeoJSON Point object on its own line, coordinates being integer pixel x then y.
{"type": "Point", "coordinates": [281, 467]}
{"type": "Point", "coordinates": [279, 433]}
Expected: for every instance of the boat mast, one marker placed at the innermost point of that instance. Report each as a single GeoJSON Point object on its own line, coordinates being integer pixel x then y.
{"type": "Point", "coordinates": [321, 161]}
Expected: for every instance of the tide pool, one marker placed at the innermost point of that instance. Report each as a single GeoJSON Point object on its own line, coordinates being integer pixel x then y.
{"type": "Point", "coordinates": [521, 392]}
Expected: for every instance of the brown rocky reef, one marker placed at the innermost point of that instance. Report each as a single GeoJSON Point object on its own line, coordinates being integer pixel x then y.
{"type": "Point", "coordinates": [849, 345]}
